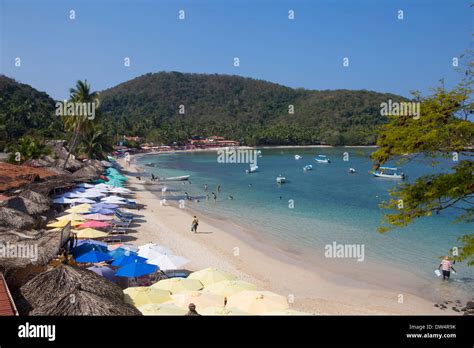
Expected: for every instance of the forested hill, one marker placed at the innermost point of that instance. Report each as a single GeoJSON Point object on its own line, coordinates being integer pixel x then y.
{"type": "Point", "coordinates": [239, 108]}
{"type": "Point", "coordinates": [24, 109]}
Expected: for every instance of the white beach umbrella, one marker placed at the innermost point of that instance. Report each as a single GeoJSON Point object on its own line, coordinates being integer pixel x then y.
{"type": "Point", "coordinates": [103, 186]}
{"type": "Point", "coordinates": [62, 200]}
{"type": "Point", "coordinates": [113, 200]}
{"type": "Point", "coordinates": [121, 190]}
{"type": "Point", "coordinates": [81, 200]}
{"type": "Point", "coordinates": [152, 250]}
{"type": "Point", "coordinates": [85, 185]}
{"type": "Point", "coordinates": [166, 262]}
{"type": "Point", "coordinates": [91, 193]}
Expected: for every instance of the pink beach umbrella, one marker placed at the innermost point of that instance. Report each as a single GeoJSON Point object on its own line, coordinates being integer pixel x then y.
{"type": "Point", "coordinates": [98, 217]}
{"type": "Point", "coordinates": [94, 224]}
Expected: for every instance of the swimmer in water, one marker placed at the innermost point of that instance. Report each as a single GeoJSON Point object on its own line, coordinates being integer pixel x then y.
{"type": "Point", "coordinates": [230, 197]}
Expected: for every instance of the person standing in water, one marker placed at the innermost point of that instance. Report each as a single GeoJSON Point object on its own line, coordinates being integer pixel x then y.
{"type": "Point", "coordinates": [446, 267]}
{"type": "Point", "coordinates": [205, 187]}
{"type": "Point", "coordinates": [218, 188]}
{"type": "Point", "coordinates": [194, 224]}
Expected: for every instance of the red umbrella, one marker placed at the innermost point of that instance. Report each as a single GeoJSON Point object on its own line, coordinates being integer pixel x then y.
{"type": "Point", "coordinates": [94, 224]}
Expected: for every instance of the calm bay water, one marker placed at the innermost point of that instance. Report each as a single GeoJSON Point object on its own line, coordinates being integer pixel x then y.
{"type": "Point", "coordinates": [329, 204]}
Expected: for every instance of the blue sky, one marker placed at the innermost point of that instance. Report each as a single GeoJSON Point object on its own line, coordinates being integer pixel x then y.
{"type": "Point", "coordinates": [385, 54]}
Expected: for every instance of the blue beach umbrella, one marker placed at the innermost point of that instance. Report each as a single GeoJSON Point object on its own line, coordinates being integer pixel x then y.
{"type": "Point", "coordinates": [87, 247]}
{"type": "Point", "coordinates": [104, 206]}
{"type": "Point", "coordinates": [126, 259]}
{"type": "Point", "coordinates": [93, 256]}
{"type": "Point", "coordinates": [121, 252]}
{"type": "Point", "coordinates": [102, 211]}
{"type": "Point", "coordinates": [136, 269]}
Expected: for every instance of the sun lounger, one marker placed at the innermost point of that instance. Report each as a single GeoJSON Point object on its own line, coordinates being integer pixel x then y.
{"type": "Point", "coordinates": [120, 223]}
{"type": "Point", "coordinates": [113, 239]}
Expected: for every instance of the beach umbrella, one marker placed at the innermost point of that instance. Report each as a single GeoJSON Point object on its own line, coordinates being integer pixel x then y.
{"type": "Point", "coordinates": [257, 302]}
{"type": "Point", "coordinates": [168, 261]}
{"type": "Point", "coordinates": [94, 224]}
{"type": "Point", "coordinates": [85, 185]}
{"type": "Point", "coordinates": [103, 211]}
{"type": "Point", "coordinates": [81, 200]}
{"type": "Point", "coordinates": [103, 271]}
{"type": "Point", "coordinates": [81, 208]}
{"type": "Point", "coordinates": [71, 194]}
{"type": "Point", "coordinates": [103, 186]}
{"type": "Point", "coordinates": [104, 206]}
{"type": "Point", "coordinates": [215, 310]}
{"type": "Point", "coordinates": [62, 200]}
{"type": "Point", "coordinates": [71, 217]}
{"type": "Point", "coordinates": [229, 287]}
{"type": "Point", "coordinates": [162, 309]}
{"type": "Point", "coordinates": [176, 285]}
{"type": "Point", "coordinates": [151, 250]}
{"type": "Point", "coordinates": [126, 259]}
{"type": "Point", "coordinates": [91, 193]}
{"type": "Point", "coordinates": [92, 241]}
{"type": "Point", "coordinates": [87, 247]}
{"type": "Point", "coordinates": [286, 312]}
{"type": "Point", "coordinates": [200, 299]}
{"type": "Point", "coordinates": [112, 200]}
{"type": "Point", "coordinates": [121, 190]}
{"type": "Point", "coordinates": [105, 163]}
{"type": "Point", "coordinates": [97, 217]}
{"type": "Point", "coordinates": [142, 295]}
{"type": "Point", "coordinates": [120, 252]}
{"type": "Point", "coordinates": [93, 256]}
{"type": "Point", "coordinates": [62, 223]}
{"type": "Point", "coordinates": [211, 275]}
{"type": "Point", "coordinates": [136, 269]}
{"type": "Point", "coordinates": [126, 246]}
{"type": "Point", "coordinates": [89, 233]}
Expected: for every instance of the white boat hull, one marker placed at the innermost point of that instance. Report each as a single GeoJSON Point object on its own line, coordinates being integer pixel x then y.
{"type": "Point", "coordinates": [388, 176]}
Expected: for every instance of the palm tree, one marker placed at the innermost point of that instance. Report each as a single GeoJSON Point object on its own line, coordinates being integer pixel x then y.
{"type": "Point", "coordinates": [79, 124]}
{"type": "Point", "coordinates": [95, 144]}
{"type": "Point", "coordinates": [29, 148]}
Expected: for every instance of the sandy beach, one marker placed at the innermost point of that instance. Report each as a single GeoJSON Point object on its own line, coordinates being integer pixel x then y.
{"type": "Point", "coordinates": [230, 247]}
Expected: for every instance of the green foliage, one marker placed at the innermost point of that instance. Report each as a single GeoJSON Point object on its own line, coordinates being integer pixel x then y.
{"type": "Point", "coordinates": [254, 111]}
{"type": "Point", "coordinates": [443, 130]}
{"type": "Point", "coordinates": [25, 111]}
{"type": "Point", "coordinates": [29, 148]}
{"type": "Point", "coordinates": [95, 144]}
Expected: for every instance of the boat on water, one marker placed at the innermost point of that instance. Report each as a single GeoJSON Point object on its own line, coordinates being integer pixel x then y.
{"type": "Point", "coordinates": [280, 179]}
{"type": "Point", "coordinates": [253, 168]}
{"type": "Point", "coordinates": [322, 159]}
{"type": "Point", "coordinates": [352, 171]}
{"type": "Point", "coordinates": [259, 153]}
{"type": "Point", "coordinates": [308, 167]}
{"type": "Point", "coordinates": [388, 172]}
{"type": "Point", "coordinates": [298, 157]}
{"type": "Point", "coordinates": [175, 178]}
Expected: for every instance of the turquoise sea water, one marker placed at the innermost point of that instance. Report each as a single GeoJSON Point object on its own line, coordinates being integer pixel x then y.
{"type": "Point", "coordinates": [329, 204]}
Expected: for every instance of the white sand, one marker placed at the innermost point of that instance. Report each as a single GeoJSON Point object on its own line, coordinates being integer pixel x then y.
{"type": "Point", "coordinates": [315, 290]}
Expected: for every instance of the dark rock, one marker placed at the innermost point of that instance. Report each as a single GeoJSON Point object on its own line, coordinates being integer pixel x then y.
{"type": "Point", "coordinates": [455, 309]}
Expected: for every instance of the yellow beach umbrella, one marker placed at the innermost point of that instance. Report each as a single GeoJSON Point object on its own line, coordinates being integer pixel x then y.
{"type": "Point", "coordinates": [229, 287]}
{"type": "Point", "coordinates": [62, 223]}
{"type": "Point", "coordinates": [89, 233]}
{"type": "Point", "coordinates": [213, 310]}
{"type": "Point", "coordinates": [142, 295]}
{"type": "Point", "coordinates": [73, 216]}
{"type": "Point", "coordinates": [81, 208]}
{"type": "Point", "coordinates": [162, 309]}
{"type": "Point", "coordinates": [175, 285]}
{"type": "Point", "coordinates": [200, 299]}
{"type": "Point", "coordinates": [210, 275]}
{"type": "Point", "coordinates": [286, 312]}
{"type": "Point", "coordinates": [257, 302]}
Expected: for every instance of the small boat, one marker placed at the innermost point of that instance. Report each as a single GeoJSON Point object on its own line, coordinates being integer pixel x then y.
{"type": "Point", "coordinates": [388, 172]}
{"type": "Point", "coordinates": [298, 157]}
{"type": "Point", "coordinates": [175, 178]}
{"type": "Point", "coordinates": [280, 179]}
{"type": "Point", "coordinates": [259, 153]}
{"type": "Point", "coordinates": [352, 170]}
{"type": "Point", "coordinates": [322, 159]}
{"type": "Point", "coordinates": [253, 168]}
{"type": "Point", "coordinates": [308, 167]}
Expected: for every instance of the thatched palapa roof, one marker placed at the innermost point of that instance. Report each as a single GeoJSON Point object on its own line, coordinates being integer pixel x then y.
{"type": "Point", "coordinates": [27, 206]}
{"type": "Point", "coordinates": [12, 218]}
{"type": "Point", "coordinates": [68, 290]}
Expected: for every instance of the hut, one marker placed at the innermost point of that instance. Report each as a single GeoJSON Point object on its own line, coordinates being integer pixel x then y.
{"type": "Point", "coordinates": [12, 218]}
{"type": "Point", "coordinates": [68, 290]}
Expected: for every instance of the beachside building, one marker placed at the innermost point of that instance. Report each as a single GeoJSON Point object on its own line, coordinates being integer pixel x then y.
{"type": "Point", "coordinates": [210, 142]}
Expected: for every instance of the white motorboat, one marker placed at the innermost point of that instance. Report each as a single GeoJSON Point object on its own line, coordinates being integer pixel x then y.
{"type": "Point", "coordinates": [352, 170]}
{"type": "Point", "coordinates": [298, 157]}
{"type": "Point", "coordinates": [280, 179]}
{"type": "Point", "coordinates": [308, 167]}
{"type": "Point", "coordinates": [322, 159]}
{"type": "Point", "coordinates": [175, 178]}
{"type": "Point", "coordinates": [388, 172]}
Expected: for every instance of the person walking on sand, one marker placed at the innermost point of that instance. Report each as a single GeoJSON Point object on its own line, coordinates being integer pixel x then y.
{"type": "Point", "coordinates": [194, 224]}
{"type": "Point", "coordinates": [446, 266]}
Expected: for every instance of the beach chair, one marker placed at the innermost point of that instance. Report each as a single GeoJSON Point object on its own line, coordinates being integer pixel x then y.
{"type": "Point", "coordinates": [120, 223]}
{"type": "Point", "coordinates": [113, 239]}
{"type": "Point", "coordinates": [124, 214]}
{"type": "Point", "coordinates": [123, 219]}
{"type": "Point", "coordinates": [119, 230]}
